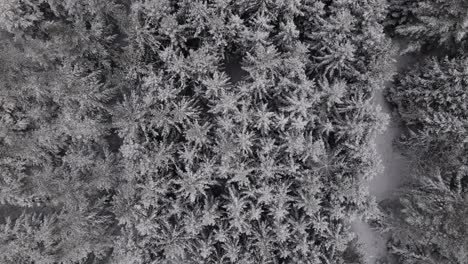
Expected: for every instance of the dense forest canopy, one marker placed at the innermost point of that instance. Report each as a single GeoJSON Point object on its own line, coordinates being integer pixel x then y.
{"type": "Point", "coordinates": [429, 25]}
{"type": "Point", "coordinates": [221, 131]}
{"type": "Point", "coordinates": [429, 224]}
{"type": "Point", "coordinates": [430, 98]}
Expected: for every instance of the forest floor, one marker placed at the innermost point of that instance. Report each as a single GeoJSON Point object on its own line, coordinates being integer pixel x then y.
{"type": "Point", "coordinates": [385, 185]}
{"type": "Point", "coordinates": [395, 164]}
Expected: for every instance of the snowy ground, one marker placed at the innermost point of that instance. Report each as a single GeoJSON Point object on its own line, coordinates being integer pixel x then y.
{"type": "Point", "coordinates": [396, 168]}
{"type": "Point", "coordinates": [395, 165]}
{"type": "Point", "coordinates": [383, 185]}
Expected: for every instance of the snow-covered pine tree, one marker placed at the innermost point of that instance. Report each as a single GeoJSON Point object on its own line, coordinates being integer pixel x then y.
{"type": "Point", "coordinates": [426, 25]}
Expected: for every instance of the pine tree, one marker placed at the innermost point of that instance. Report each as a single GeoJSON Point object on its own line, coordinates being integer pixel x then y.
{"type": "Point", "coordinates": [429, 24]}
